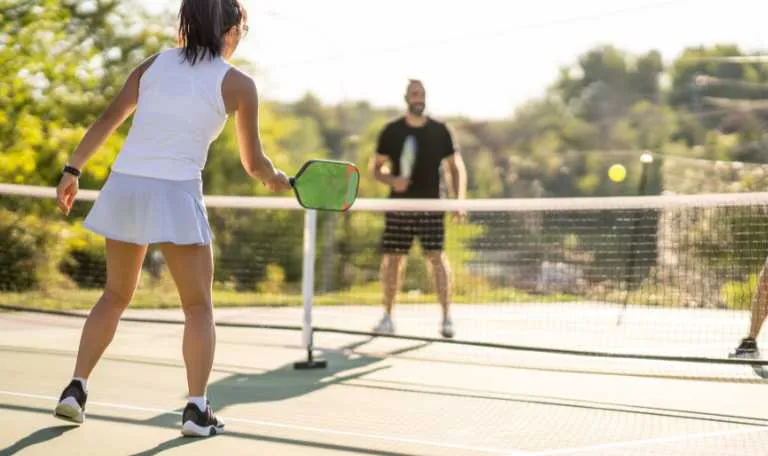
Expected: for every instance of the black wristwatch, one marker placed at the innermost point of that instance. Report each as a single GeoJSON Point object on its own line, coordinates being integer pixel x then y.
{"type": "Point", "coordinates": [72, 170]}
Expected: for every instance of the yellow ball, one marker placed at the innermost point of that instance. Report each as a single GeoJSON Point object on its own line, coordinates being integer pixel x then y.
{"type": "Point", "coordinates": [617, 173]}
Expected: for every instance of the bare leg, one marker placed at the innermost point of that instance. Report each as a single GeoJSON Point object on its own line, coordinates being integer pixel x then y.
{"type": "Point", "coordinates": [392, 270]}
{"type": "Point", "coordinates": [441, 272]}
{"type": "Point", "coordinates": [191, 267]}
{"type": "Point", "coordinates": [759, 305]}
{"type": "Point", "coordinates": [123, 267]}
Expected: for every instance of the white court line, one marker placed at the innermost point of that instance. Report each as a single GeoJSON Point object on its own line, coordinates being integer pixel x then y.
{"type": "Point", "coordinates": [286, 426]}
{"type": "Point", "coordinates": [631, 443]}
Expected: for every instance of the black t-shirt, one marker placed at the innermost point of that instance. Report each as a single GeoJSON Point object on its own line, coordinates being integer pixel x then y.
{"type": "Point", "coordinates": [434, 142]}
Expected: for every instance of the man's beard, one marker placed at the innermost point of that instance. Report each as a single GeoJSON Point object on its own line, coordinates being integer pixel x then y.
{"type": "Point", "coordinates": [416, 109]}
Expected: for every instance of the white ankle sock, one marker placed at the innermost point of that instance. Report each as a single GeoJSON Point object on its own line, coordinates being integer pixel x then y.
{"type": "Point", "coordinates": [199, 401]}
{"type": "Point", "coordinates": [83, 382]}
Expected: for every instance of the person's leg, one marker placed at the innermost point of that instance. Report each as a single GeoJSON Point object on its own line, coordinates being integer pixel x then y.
{"type": "Point", "coordinates": [192, 270]}
{"type": "Point", "coordinates": [748, 347]}
{"type": "Point", "coordinates": [123, 267]}
{"type": "Point", "coordinates": [432, 238]}
{"type": "Point", "coordinates": [395, 244]}
{"type": "Point", "coordinates": [759, 305]}
{"type": "Point", "coordinates": [393, 267]}
{"type": "Point", "coordinates": [191, 267]}
{"type": "Point", "coordinates": [441, 274]}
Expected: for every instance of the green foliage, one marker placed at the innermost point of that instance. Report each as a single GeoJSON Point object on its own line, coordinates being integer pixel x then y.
{"type": "Point", "coordinates": [738, 295]}
{"type": "Point", "coordinates": [274, 280]}
{"type": "Point", "coordinates": [85, 261]}
{"type": "Point", "coordinates": [61, 63]}
{"type": "Point", "coordinates": [460, 239]}
{"type": "Point", "coordinates": [696, 62]}
{"type": "Point", "coordinates": [32, 251]}
{"type": "Point", "coordinates": [247, 241]}
{"type": "Point", "coordinates": [731, 238]}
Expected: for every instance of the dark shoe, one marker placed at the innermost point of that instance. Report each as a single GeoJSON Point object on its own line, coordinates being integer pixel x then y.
{"type": "Point", "coordinates": [746, 350]}
{"type": "Point", "coordinates": [200, 424]}
{"type": "Point", "coordinates": [71, 405]}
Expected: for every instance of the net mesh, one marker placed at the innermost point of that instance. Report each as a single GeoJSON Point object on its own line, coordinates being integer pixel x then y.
{"type": "Point", "coordinates": [656, 275]}
{"type": "Point", "coordinates": [659, 275]}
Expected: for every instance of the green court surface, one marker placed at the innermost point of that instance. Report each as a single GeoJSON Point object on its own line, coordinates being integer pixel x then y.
{"type": "Point", "coordinates": [378, 396]}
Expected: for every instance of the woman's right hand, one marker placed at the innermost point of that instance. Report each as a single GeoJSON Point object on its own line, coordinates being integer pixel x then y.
{"type": "Point", "coordinates": [279, 183]}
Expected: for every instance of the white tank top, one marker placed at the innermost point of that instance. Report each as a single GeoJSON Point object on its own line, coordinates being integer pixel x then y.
{"type": "Point", "coordinates": [180, 111]}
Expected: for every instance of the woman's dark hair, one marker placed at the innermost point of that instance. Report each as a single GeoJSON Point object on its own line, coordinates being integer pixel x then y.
{"type": "Point", "coordinates": [202, 25]}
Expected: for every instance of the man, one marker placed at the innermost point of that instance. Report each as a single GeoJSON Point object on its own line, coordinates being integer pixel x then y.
{"type": "Point", "coordinates": [413, 147]}
{"type": "Point", "coordinates": [748, 347]}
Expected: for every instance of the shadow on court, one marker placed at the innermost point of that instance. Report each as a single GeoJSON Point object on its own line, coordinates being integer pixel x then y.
{"type": "Point", "coordinates": [345, 364]}
{"type": "Point", "coordinates": [276, 385]}
{"type": "Point", "coordinates": [37, 437]}
{"type": "Point", "coordinates": [285, 382]}
{"type": "Point", "coordinates": [171, 422]}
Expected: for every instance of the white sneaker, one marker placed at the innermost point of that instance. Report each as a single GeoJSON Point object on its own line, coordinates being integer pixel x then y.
{"type": "Point", "coordinates": [446, 330]}
{"type": "Point", "coordinates": [385, 326]}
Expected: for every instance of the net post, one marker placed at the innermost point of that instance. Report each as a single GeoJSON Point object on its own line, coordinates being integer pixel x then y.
{"type": "Point", "coordinates": [646, 159]}
{"type": "Point", "coordinates": [308, 289]}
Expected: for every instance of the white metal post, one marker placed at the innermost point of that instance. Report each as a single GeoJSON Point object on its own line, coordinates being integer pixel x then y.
{"type": "Point", "coordinates": [308, 288]}
{"type": "Point", "coordinates": [308, 276]}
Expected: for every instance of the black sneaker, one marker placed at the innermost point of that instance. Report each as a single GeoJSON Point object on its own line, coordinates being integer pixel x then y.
{"type": "Point", "coordinates": [71, 405]}
{"type": "Point", "coordinates": [200, 424]}
{"type": "Point", "coordinates": [746, 350]}
{"type": "Point", "coordinates": [446, 329]}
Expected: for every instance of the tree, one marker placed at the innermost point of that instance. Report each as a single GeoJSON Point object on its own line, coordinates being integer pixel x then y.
{"type": "Point", "coordinates": [60, 63]}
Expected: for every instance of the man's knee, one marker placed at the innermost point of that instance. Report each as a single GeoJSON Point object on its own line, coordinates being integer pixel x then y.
{"type": "Point", "coordinates": [390, 260]}
{"type": "Point", "coordinates": [437, 257]}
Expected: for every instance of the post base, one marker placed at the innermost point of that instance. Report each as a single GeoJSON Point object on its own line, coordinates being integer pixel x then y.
{"type": "Point", "coordinates": [311, 364]}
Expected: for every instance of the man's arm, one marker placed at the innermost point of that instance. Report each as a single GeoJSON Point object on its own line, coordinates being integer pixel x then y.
{"type": "Point", "coordinates": [383, 175]}
{"type": "Point", "coordinates": [379, 163]}
{"type": "Point", "coordinates": [456, 168]}
{"type": "Point", "coordinates": [379, 171]}
{"type": "Point", "coordinates": [458, 173]}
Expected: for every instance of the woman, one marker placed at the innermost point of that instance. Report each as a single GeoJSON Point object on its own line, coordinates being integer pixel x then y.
{"type": "Point", "coordinates": [182, 99]}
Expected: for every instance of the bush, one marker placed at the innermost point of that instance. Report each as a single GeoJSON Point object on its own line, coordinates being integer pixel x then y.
{"type": "Point", "coordinates": [246, 242]}
{"type": "Point", "coordinates": [738, 295]}
{"type": "Point", "coordinates": [31, 252]}
{"type": "Point", "coordinates": [85, 261]}
{"type": "Point", "coordinates": [274, 281]}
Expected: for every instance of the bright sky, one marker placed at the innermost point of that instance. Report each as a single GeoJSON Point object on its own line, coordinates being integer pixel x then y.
{"type": "Point", "coordinates": [480, 58]}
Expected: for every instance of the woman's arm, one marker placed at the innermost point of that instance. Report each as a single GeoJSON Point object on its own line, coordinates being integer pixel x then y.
{"type": "Point", "coordinates": [121, 107]}
{"type": "Point", "coordinates": [241, 95]}
{"type": "Point", "coordinates": [118, 110]}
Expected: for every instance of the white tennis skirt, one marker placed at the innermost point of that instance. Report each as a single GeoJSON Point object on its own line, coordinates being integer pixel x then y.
{"type": "Point", "coordinates": [145, 210]}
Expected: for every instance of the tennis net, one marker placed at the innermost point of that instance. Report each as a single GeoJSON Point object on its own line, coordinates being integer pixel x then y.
{"type": "Point", "coordinates": [657, 276]}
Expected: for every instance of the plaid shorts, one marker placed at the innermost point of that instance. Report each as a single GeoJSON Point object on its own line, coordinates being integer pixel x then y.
{"type": "Point", "coordinates": [400, 228]}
